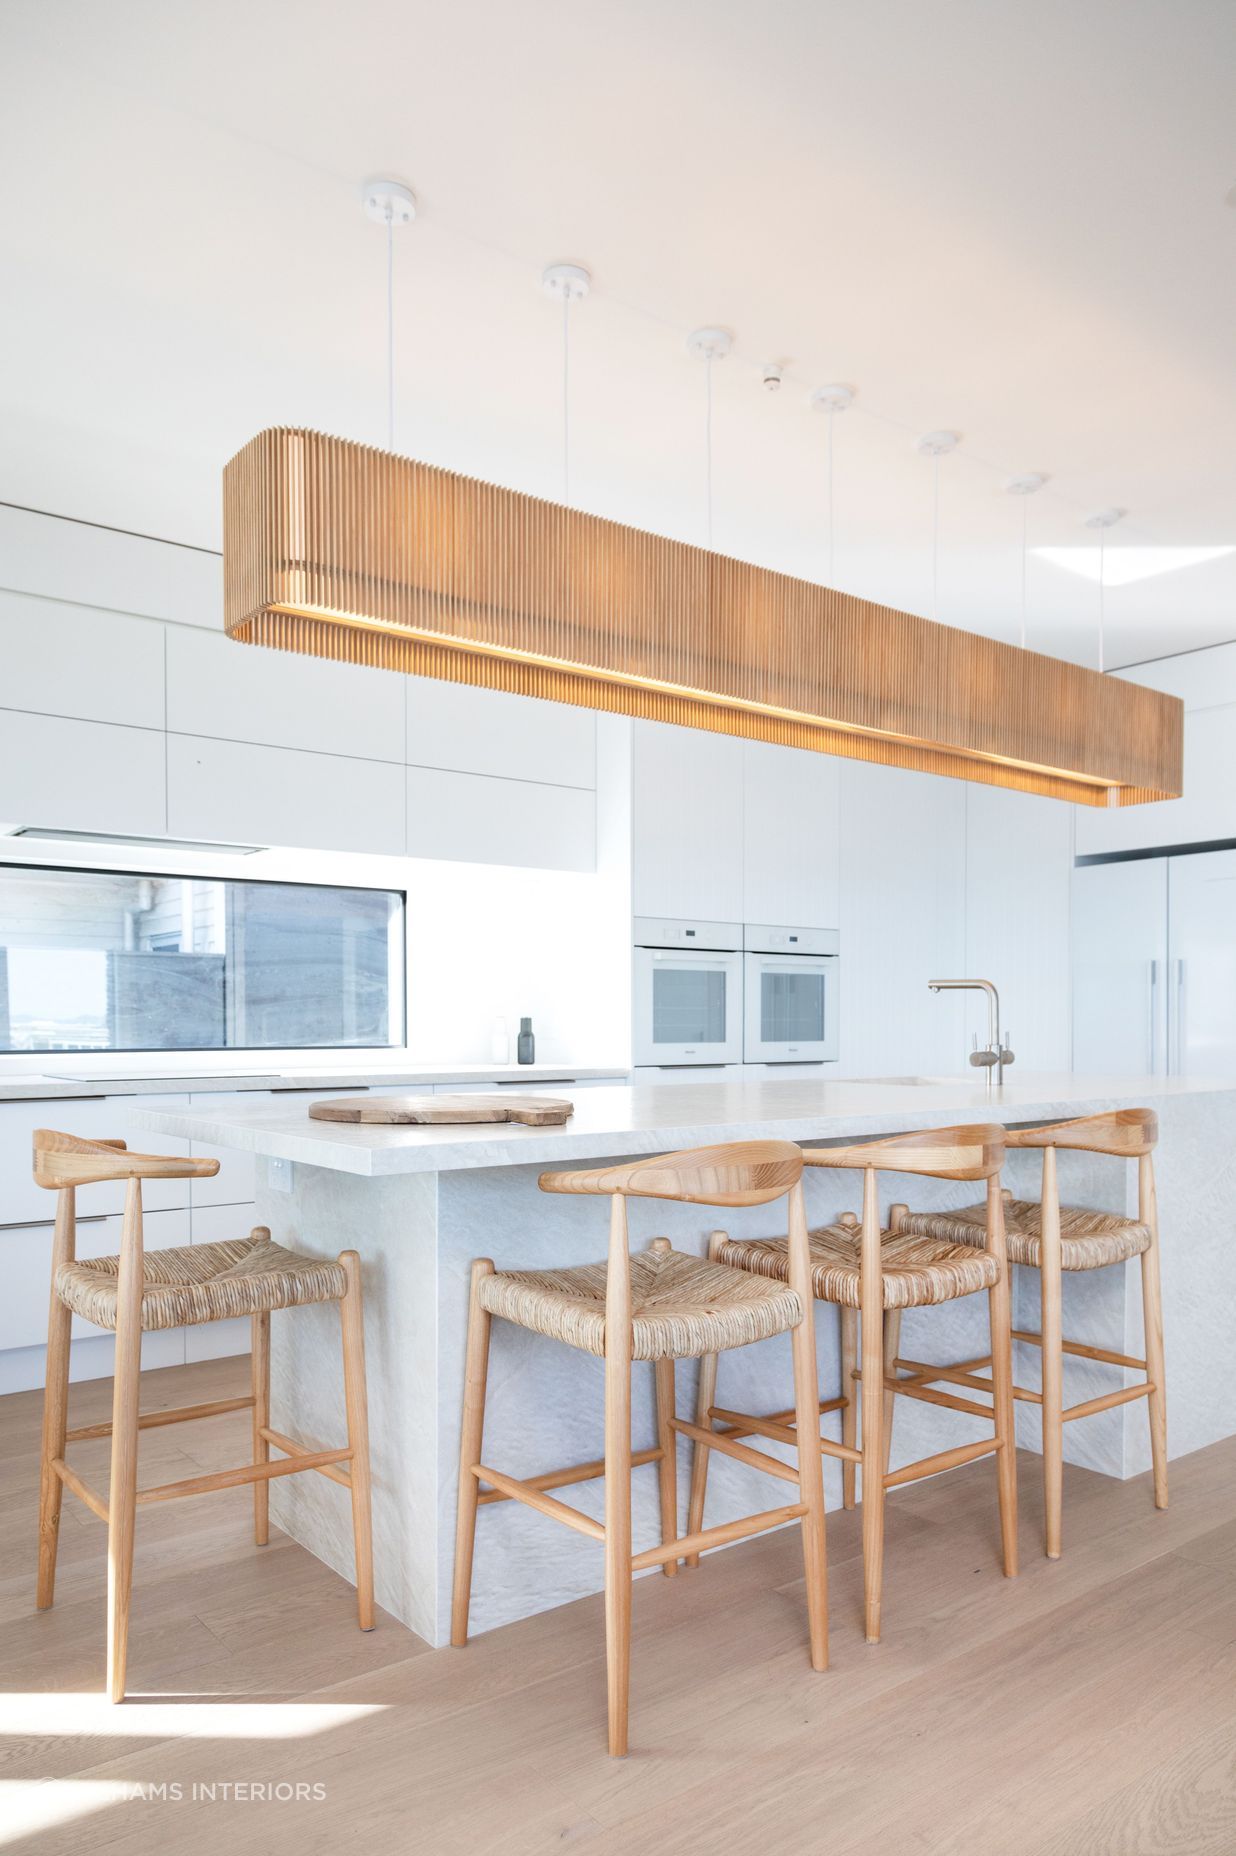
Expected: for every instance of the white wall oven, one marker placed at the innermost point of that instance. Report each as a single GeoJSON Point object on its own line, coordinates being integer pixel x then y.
{"type": "Point", "coordinates": [688, 992]}
{"type": "Point", "coordinates": [791, 987]}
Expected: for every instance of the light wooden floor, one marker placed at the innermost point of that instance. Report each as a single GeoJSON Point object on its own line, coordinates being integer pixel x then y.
{"type": "Point", "coordinates": [1088, 1707]}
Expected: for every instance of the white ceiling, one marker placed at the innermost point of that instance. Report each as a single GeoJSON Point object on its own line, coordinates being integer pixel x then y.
{"type": "Point", "coordinates": [1001, 218]}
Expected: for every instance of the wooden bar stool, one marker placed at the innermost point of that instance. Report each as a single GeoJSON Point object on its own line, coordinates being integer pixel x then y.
{"type": "Point", "coordinates": [137, 1292]}
{"type": "Point", "coordinates": [1053, 1239]}
{"type": "Point", "coordinates": [873, 1273]}
{"type": "Point", "coordinates": [661, 1306]}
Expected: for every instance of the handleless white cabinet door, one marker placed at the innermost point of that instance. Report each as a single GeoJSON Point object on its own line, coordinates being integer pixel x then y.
{"type": "Point", "coordinates": [235, 792]}
{"type": "Point", "coordinates": [1019, 858]}
{"type": "Point", "coordinates": [1120, 970]}
{"type": "Point", "coordinates": [687, 823]}
{"type": "Point", "coordinates": [62, 660]}
{"type": "Point", "coordinates": [82, 776]}
{"type": "Point", "coordinates": [1202, 955]}
{"type": "Point", "coordinates": [234, 1183]}
{"type": "Point", "coordinates": [791, 843]}
{"type": "Point", "coordinates": [473, 818]}
{"type": "Point", "coordinates": [465, 730]}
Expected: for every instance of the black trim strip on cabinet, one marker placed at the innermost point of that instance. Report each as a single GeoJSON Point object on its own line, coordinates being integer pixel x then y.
{"type": "Point", "coordinates": [1156, 850]}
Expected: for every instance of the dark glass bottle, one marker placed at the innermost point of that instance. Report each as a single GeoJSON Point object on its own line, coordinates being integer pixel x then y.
{"type": "Point", "coordinates": [526, 1051]}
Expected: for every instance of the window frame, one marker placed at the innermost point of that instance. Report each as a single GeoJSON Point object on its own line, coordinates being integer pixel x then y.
{"type": "Point", "coordinates": [177, 1053]}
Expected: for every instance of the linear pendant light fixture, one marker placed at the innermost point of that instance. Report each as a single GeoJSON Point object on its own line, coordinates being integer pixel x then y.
{"type": "Point", "coordinates": [341, 551]}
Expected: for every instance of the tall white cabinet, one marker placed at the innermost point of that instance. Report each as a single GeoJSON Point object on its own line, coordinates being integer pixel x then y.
{"type": "Point", "coordinates": [1154, 956]}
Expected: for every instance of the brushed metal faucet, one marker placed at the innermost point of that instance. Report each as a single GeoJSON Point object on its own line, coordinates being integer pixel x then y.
{"type": "Point", "coordinates": [996, 1053]}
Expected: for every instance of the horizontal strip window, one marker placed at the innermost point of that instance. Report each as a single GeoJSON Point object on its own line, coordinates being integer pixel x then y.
{"type": "Point", "coordinates": [106, 960]}
{"type": "Point", "coordinates": [1156, 850]}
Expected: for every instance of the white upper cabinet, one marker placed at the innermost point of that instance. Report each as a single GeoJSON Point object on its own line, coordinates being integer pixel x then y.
{"type": "Point", "coordinates": [466, 730]}
{"type": "Point", "coordinates": [1018, 871]}
{"type": "Point", "coordinates": [1205, 681]}
{"type": "Point", "coordinates": [81, 776]}
{"type": "Point", "coordinates": [102, 567]}
{"type": "Point", "coordinates": [687, 823]}
{"type": "Point", "coordinates": [791, 844]}
{"type": "Point", "coordinates": [78, 661]}
{"type": "Point", "coordinates": [236, 792]}
{"type": "Point", "coordinates": [470, 818]}
{"type": "Point", "coordinates": [236, 692]}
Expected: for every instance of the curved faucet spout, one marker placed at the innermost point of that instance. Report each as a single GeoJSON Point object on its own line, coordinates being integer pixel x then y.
{"type": "Point", "coordinates": [994, 1057]}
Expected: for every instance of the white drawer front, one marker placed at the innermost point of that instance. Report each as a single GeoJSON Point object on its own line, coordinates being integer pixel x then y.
{"type": "Point", "coordinates": [234, 1183]}
{"type": "Point", "coordinates": [27, 1261]}
{"type": "Point", "coordinates": [91, 1118]}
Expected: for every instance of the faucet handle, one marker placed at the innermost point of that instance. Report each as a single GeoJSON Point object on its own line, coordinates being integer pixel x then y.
{"type": "Point", "coordinates": [984, 1059]}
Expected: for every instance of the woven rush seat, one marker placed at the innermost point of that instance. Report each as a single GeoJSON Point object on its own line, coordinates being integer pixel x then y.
{"type": "Point", "coordinates": [1088, 1240]}
{"type": "Point", "coordinates": [681, 1306]}
{"type": "Point", "coordinates": [203, 1282]}
{"type": "Point", "coordinates": [918, 1271]}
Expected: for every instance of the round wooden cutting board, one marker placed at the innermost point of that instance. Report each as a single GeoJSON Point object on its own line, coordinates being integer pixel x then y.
{"type": "Point", "coordinates": [440, 1111]}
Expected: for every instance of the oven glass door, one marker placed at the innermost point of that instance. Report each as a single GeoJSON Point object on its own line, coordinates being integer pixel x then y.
{"type": "Point", "coordinates": [791, 1014]}
{"type": "Point", "coordinates": [687, 1007]}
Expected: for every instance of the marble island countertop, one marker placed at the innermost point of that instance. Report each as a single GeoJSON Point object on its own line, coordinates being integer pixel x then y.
{"type": "Point", "coordinates": [655, 1118]}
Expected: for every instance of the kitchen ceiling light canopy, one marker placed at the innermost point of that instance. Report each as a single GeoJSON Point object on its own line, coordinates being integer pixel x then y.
{"type": "Point", "coordinates": [341, 551]}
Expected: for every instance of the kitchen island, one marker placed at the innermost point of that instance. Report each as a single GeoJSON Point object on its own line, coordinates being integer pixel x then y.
{"type": "Point", "coordinates": [419, 1203]}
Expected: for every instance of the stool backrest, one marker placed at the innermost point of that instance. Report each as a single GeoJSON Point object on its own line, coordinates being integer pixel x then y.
{"type": "Point", "coordinates": [62, 1160]}
{"type": "Point", "coordinates": [739, 1173]}
{"type": "Point", "coordinates": [972, 1152]}
{"type": "Point", "coordinates": [1124, 1132]}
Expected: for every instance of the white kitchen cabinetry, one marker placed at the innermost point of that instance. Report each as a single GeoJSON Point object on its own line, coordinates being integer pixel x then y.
{"type": "Point", "coordinates": [1018, 866]}
{"type": "Point", "coordinates": [471, 818]}
{"type": "Point", "coordinates": [791, 842]}
{"type": "Point", "coordinates": [240, 793]}
{"type": "Point", "coordinates": [74, 661]}
{"type": "Point", "coordinates": [82, 776]}
{"type": "Point", "coordinates": [696, 1073]}
{"type": "Point", "coordinates": [216, 1224]}
{"type": "Point", "coordinates": [1206, 810]}
{"type": "Point", "coordinates": [687, 823]}
{"type": "Point", "coordinates": [91, 1118]}
{"type": "Point", "coordinates": [466, 730]}
{"type": "Point", "coordinates": [902, 921]}
{"type": "Point", "coordinates": [220, 689]}
{"type": "Point", "coordinates": [234, 1183]}
{"type": "Point", "coordinates": [23, 1311]}
{"type": "Point", "coordinates": [1120, 968]}
{"type": "Point", "coordinates": [1201, 947]}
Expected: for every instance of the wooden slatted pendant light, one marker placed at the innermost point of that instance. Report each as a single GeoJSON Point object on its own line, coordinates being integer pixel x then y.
{"type": "Point", "coordinates": [342, 551]}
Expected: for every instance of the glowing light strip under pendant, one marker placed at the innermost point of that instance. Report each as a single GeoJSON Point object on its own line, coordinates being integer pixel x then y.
{"type": "Point", "coordinates": [341, 551]}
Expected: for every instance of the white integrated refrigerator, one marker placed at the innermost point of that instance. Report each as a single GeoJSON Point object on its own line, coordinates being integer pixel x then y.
{"type": "Point", "coordinates": [1154, 965]}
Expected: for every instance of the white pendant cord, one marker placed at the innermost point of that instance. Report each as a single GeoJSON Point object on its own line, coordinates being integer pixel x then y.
{"type": "Point", "coordinates": [390, 327]}
{"type": "Point", "coordinates": [1102, 592]}
{"type": "Point", "coordinates": [831, 547]}
{"type": "Point", "coordinates": [708, 445]}
{"type": "Point", "coordinates": [935, 535]}
{"type": "Point", "coordinates": [1025, 519]}
{"type": "Point", "coordinates": [566, 396]}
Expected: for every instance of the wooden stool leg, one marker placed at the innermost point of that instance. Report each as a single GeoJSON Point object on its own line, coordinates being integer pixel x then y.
{"type": "Point", "coordinates": [122, 1491]}
{"type": "Point", "coordinates": [807, 1423]}
{"type": "Point", "coordinates": [618, 1479]}
{"type": "Point", "coordinates": [356, 1402]}
{"type": "Point", "coordinates": [472, 1431]}
{"type": "Point", "coordinates": [259, 1327]}
{"type": "Point", "coordinates": [872, 1322]}
{"type": "Point", "coordinates": [667, 1468]}
{"type": "Point", "coordinates": [55, 1399]}
{"type": "Point", "coordinates": [1152, 1317]}
{"type": "Point", "coordinates": [1051, 1324]}
{"type": "Point", "coordinates": [892, 1346]}
{"type": "Point", "coordinates": [850, 1391]}
{"type": "Point", "coordinates": [1000, 1317]}
{"type": "Point", "coordinates": [55, 1424]}
{"type": "Point", "coordinates": [705, 1399]}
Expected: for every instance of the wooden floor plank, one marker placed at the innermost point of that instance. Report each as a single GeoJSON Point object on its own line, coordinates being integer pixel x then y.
{"type": "Point", "coordinates": [1101, 1688]}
